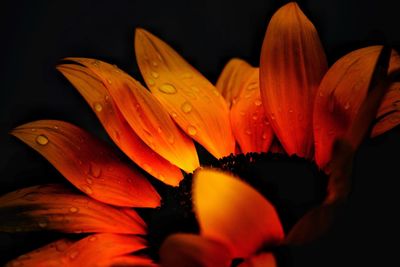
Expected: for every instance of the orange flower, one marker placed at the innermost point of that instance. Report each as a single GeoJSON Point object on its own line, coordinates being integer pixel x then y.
{"type": "Point", "coordinates": [314, 112]}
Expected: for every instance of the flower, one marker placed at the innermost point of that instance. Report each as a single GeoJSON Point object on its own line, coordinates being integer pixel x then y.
{"type": "Point", "coordinates": [304, 103]}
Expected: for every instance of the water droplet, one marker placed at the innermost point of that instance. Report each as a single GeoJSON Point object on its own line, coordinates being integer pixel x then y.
{"type": "Point", "coordinates": [258, 102]}
{"type": "Point", "coordinates": [98, 107]}
{"type": "Point", "coordinates": [347, 106]}
{"type": "Point", "coordinates": [290, 110]}
{"type": "Point", "coordinates": [42, 224]}
{"type": "Point", "coordinates": [92, 238]}
{"type": "Point", "coordinates": [167, 88]}
{"type": "Point", "coordinates": [94, 170]}
{"type": "Point", "coordinates": [186, 107]}
{"type": "Point", "coordinates": [31, 196]}
{"type": "Point", "coordinates": [117, 136]}
{"type": "Point", "coordinates": [42, 140]}
{"type": "Point", "coordinates": [109, 81]}
{"type": "Point", "coordinates": [55, 127]}
{"type": "Point", "coordinates": [264, 136]}
{"type": "Point", "coordinates": [192, 130]}
{"type": "Point", "coordinates": [95, 62]}
{"type": "Point", "coordinates": [272, 116]}
{"type": "Point", "coordinates": [155, 74]}
{"type": "Point", "coordinates": [252, 86]}
{"type": "Point", "coordinates": [87, 189]}
{"type": "Point", "coordinates": [151, 82]}
{"type": "Point", "coordinates": [248, 132]}
{"type": "Point", "coordinates": [73, 210]}
{"type": "Point", "coordinates": [174, 115]}
{"type": "Point", "coordinates": [254, 117]}
{"type": "Point", "coordinates": [89, 181]}
{"type": "Point", "coordinates": [33, 130]}
{"type": "Point", "coordinates": [73, 254]}
{"type": "Point", "coordinates": [154, 63]}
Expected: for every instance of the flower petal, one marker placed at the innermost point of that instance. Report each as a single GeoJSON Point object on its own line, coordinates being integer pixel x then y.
{"type": "Point", "coordinates": [292, 65]}
{"type": "Point", "coordinates": [260, 260]}
{"type": "Point", "coordinates": [102, 250]}
{"type": "Point", "coordinates": [232, 212]}
{"type": "Point", "coordinates": [88, 163]}
{"type": "Point", "coordinates": [250, 125]}
{"type": "Point", "coordinates": [389, 112]}
{"type": "Point", "coordinates": [340, 95]}
{"type": "Point", "coordinates": [55, 207]}
{"type": "Point", "coordinates": [133, 261]}
{"type": "Point", "coordinates": [96, 94]}
{"type": "Point", "coordinates": [193, 102]}
{"type": "Point", "coordinates": [47, 256]}
{"type": "Point", "coordinates": [145, 115]}
{"type": "Point", "coordinates": [186, 250]}
{"type": "Point", "coordinates": [230, 82]}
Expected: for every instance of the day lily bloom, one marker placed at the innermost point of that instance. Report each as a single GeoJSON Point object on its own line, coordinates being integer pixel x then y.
{"type": "Point", "coordinates": [292, 103]}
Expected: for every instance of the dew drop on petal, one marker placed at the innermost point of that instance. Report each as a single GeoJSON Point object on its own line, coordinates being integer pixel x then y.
{"type": "Point", "coordinates": [73, 210]}
{"type": "Point", "coordinates": [264, 136]}
{"type": "Point", "coordinates": [192, 130]}
{"type": "Point", "coordinates": [186, 107]}
{"type": "Point", "coordinates": [72, 255]}
{"type": "Point", "coordinates": [42, 224]}
{"type": "Point", "coordinates": [167, 88]}
{"type": "Point", "coordinates": [87, 189]}
{"type": "Point", "coordinates": [155, 74]}
{"type": "Point", "coordinates": [151, 82]}
{"type": "Point", "coordinates": [98, 107]}
{"type": "Point", "coordinates": [174, 115]}
{"type": "Point", "coordinates": [258, 102]}
{"type": "Point", "coordinates": [89, 181]}
{"type": "Point", "coordinates": [347, 106]}
{"type": "Point", "coordinates": [290, 110]}
{"type": "Point", "coordinates": [92, 238]}
{"type": "Point", "coordinates": [31, 196]}
{"type": "Point", "coordinates": [154, 63]}
{"type": "Point", "coordinates": [248, 132]}
{"type": "Point", "coordinates": [42, 140]}
{"type": "Point", "coordinates": [94, 170]}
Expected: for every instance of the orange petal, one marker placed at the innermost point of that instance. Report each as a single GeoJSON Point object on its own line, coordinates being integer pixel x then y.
{"type": "Point", "coordinates": [102, 250]}
{"type": "Point", "coordinates": [145, 115]}
{"type": "Point", "coordinates": [250, 125]}
{"type": "Point", "coordinates": [230, 82]}
{"type": "Point", "coordinates": [54, 207]}
{"type": "Point", "coordinates": [186, 250]}
{"type": "Point", "coordinates": [340, 95]}
{"type": "Point", "coordinates": [47, 256]}
{"type": "Point", "coordinates": [96, 94]}
{"type": "Point", "coordinates": [232, 212]}
{"type": "Point", "coordinates": [88, 163]}
{"type": "Point", "coordinates": [133, 261]}
{"type": "Point", "coordinates": [292, 65]}
{"type": "Point", "coordinates": [389, 112]}
{"type": "Point", "coordinates": [260, 260]}
{"type": "Point", "coordinates": [193, 102]}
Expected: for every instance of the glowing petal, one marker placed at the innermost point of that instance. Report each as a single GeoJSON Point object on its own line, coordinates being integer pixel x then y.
{"type": "Point", "coordinates": [102, 250]}
{"type": "Point", "coordinates": [47, 256]}
{"type": "Point", "coordinates": [250, 125]}
{"type": "Point", "coordinates": [230, 82]}
{"type": "Point", "coordinates": [260, 260]}
{"type": "Point", "coordinates": [88, 163]}
{"type": "Point", "coordinates": [54, 207]}
{"type": "Point", "coordinates": [340, 95]}
{"type": "Point", "coordinates": [232, 212]}
{"type": "Point", "coordinates": [389, 112]}
{"type": "Point", "coordinates": [96, 94]}
{"type": "Point", "coordinates": [192, 101]}
{"type": "Point", "coordinates": [187, 250]}
{"type": "Point", "coordinates": [292, 65]}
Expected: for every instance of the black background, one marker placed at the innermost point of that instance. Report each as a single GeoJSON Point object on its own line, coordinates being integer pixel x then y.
{"type": "Point", "coordinates": [35, 35]}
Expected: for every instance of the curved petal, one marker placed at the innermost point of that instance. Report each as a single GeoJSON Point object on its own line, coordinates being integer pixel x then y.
{"type": "Point", "coordinates": [389, 112]}
{"type": "Point", "coordinates": [145, 115]}
{"type": "Point", "coordinates": [186, 250]}
{"type": "Point", "coordinates": [250, 125]}
{"type": "Point", "coordinates": [192, 101]}
{"type": "Point", "coordinates": [292, 65]}
{"type": "Point", "coordinates": [340, 95]}
{"type": "Point", "coordinates": [230, 82]}
{"type": "Point", "coordinates": [102, 250]}
{"type": "Point", "coordinates": [260, 260]}
{"type": "Point", "coordinates": [88, 163]}
{"type": "Point", "coordinates": [49, 255]}
{"type": "Point", "coordinates": [232, 212]}
{"type": "Point", "coordinates": [96, 94]}
{"type": "Point", "coordinates": [54, 207]}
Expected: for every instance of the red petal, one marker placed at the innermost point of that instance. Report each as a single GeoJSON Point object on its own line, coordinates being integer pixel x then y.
{"type": "Point", "coordinates": [88, 163]}
{"type": "Point", "coordinates": [145, 115]}
{"type": "Point", "coordinates": [193, 102]}
{"type": "Point", "coordinates": [233, 213]}
{"type": "Point", "coordinates": [250, 125]}
{"type": "Point", "coordinates": [55, 207]}
{"type": "Point", "coordinates": [184, 250]}
{"type": "Point", "coordinates": [260, 260]}
{"type": "Point", "coordinates": [96, 94]}
{"type": "Point", "coordinates": [291, 67]}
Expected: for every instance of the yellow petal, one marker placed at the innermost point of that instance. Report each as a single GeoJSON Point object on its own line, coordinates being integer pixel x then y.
{"type": "Point", "coordinates": [96, 94]}
{"type": "Point", "coordinates": [192, 101]}
{"type": "Point", "coordinates": [88, 163]}
{"type": "Point", "coordinates": [292, 65]}
{"type": "Point", "coordinates": [250, 125]}
{"type": "Point", "coordinates": [230, 82]}
{"type": "Point", "coordinates": [145, 115]}
{"type": "Point", "coordinates": [187, 250]}
{"type": "Point", "coordinates": [260, 260]}
{"type": "Point", "coordinates": [55, 207]}
{"type": "Point", "coordinates": [233, 213]}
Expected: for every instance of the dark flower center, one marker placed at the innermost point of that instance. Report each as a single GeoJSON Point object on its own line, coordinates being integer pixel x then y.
{"type": "Point", "coordinates": [292, 184]}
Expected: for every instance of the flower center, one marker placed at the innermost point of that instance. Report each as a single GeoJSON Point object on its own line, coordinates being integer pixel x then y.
{"type": "Point", "coordinates": [292, 184]}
